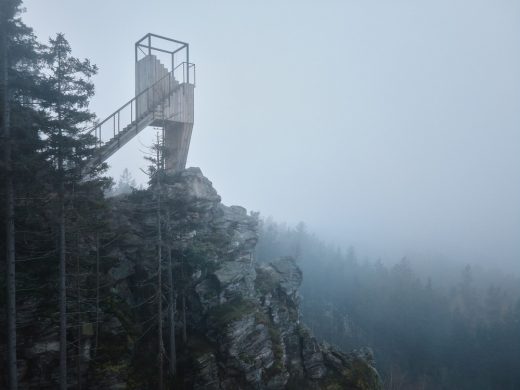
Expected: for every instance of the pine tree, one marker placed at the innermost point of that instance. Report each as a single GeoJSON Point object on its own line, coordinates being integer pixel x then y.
{"type": "Point", "coordinates": [68, 90]}
{"type": "Point", "coordinates": [19, 81]}
{"type": "Point", "coordinates": [125, 183]}
{"type": "Point", "coordinates": [9, 202]}
{"type": "Point", "coordinates": [159, 163]}
{"type": "Point", "coordinates": [155, 172]}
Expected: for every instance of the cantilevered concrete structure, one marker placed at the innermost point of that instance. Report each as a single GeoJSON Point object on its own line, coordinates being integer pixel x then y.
{"type": "Point", "coordinates": [164, 86]}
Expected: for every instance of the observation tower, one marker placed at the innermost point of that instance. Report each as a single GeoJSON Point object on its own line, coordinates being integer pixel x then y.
{"type": "Point", "coordinates": [164, 86]}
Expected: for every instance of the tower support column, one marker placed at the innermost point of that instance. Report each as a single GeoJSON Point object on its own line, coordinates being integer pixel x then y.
{"type": "Point", "coordinates": [177, 138]}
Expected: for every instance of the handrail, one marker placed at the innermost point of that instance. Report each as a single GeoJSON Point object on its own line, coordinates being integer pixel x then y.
{"type": "Point", "coordinates": [145, 102]}
{"type": "Point", "coordinates": [130, 101]}
{"type": "Point", "coordinates": [186, 68]}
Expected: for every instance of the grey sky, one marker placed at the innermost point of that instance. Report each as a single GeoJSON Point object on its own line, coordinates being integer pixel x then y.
{"type": "Point", "coordinates": [390, 125]}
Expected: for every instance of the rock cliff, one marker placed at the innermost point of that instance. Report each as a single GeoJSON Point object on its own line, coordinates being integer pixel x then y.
{"type": "Point", "coordinates": [237, 323]}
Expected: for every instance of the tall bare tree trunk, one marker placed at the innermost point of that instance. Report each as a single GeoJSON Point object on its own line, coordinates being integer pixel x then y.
{"type": "Point", "coordinates": [183, 307]}
{"type": "Point", "coordinates": [12, 371]}
{"type": "Point", "coordinates": [159, 268]}
{"type": "Point", "coordinates": [62, 248]}
{"type": "Point", "coordinates": [63, 286]}
{"type": "Point", "coordinates": [78, 304]}
{"type": "Point", "coordinates": [97, 294]}
{"type": "Point", "coordinates": [184, 332]}
{"type": "Point", "coordinates": [171, 315]}
{"type": "Point", "coordinates": [171, 294]}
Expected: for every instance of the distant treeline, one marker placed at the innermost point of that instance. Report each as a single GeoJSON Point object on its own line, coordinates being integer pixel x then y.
{"type": "Point", "coordinates": [424, 336]}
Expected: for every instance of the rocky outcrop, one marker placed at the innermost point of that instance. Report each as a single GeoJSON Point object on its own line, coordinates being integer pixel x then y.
{"type": "Point", "coordinates": [237, 322]}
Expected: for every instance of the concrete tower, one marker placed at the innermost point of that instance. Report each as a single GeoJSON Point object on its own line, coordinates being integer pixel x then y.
{"type": "Point", "coordinates": [176, 93]}
{"type": "Point", "coordinates": [164, 86]}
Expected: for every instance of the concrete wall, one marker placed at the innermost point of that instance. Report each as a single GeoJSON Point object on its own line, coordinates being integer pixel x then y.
{"type": "Point", "coordinates": [179, 107]}
{"type": "Point", "coordinates": [148, 71]}
{"type": "Point", "coordinates": [175, 112]}
{"type": "Point", "coordinates": [177, 137]}
{"type": "Point", "coordinates": [179, 117]}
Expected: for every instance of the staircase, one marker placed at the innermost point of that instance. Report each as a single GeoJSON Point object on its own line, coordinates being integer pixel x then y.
{"type": "Point", "coordinates": [163, 102]}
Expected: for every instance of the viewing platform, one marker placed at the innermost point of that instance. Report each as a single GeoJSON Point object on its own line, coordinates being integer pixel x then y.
{"type": "Point", "coordinates": [164, 97]}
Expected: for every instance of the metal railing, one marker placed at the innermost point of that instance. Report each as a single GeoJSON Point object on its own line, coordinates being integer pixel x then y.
{"type": "Point", "coordinates": [128, 116]}
{"type": "Point", "coordinates": [185, 71]}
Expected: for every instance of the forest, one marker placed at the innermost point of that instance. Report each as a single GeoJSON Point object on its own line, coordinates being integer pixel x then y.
{"type": "Point", "coordinates": [459, 329]}
{"type": "Point", "coordinates": [49, 209]}
{"type": "Point", "coordinates": [109, 287]}
{"type": "Point", "coordinates": [66, 291]}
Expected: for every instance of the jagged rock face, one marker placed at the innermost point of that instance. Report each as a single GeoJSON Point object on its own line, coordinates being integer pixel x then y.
{"type": "Point", "coordinates": [247, 315]}
{"type": "Point", "coordinates": [242, 319]}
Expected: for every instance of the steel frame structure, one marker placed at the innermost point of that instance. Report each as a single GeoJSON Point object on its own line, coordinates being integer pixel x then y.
{"type": "Point", "coordinates": [144, 45]}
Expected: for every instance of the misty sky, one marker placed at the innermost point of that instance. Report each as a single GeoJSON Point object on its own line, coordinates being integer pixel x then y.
{"type": "Point", "coordinates": [393, 126]}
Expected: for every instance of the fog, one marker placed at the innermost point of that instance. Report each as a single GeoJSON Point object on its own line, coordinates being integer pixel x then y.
{"type": "Point", "coordinates": [390, 126]}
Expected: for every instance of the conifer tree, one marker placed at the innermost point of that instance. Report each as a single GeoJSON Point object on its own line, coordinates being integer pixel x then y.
{"type": "Point", "coordinates": [69, 90]}
{"type": "Point", "coordinates": [19, 60]}
{"type": "Point", "coordinates": [125, 183]}
{"type": "Point", "coordinates": [9, 202]}
{"type": "Point", "coordinates": [155, 172]}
